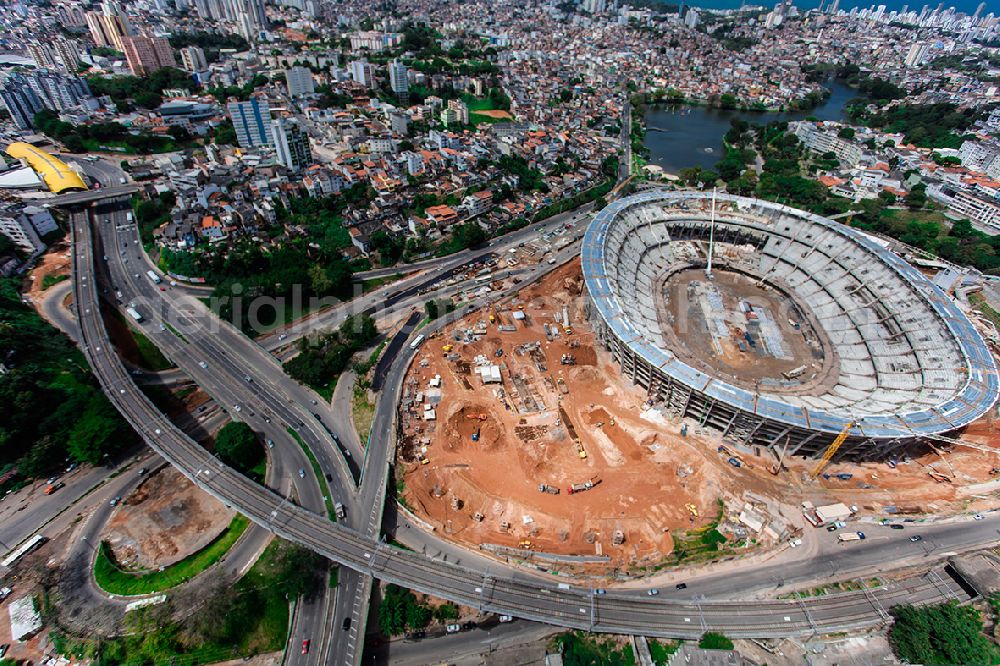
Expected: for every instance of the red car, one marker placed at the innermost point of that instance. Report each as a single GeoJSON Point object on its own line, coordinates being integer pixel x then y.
{"type": "Point", "coordinates": [305, 646]}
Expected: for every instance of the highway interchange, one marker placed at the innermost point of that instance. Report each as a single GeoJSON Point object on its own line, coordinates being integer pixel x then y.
{"type": "Point", "coordinates": [219, 358]}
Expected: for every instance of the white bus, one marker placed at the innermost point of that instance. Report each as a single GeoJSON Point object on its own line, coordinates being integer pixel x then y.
{"type": "Point", "coordinates": [417, 341]}
{"type": "Point", "coordinates": [153, 276]}
{"type": "Point", "coordinates": [132, 312]}
{"type": "Point", "coordinates": [25, 548]}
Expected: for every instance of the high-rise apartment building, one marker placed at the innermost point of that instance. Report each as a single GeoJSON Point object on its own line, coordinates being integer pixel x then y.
{"type": "Point", "coordinates": [398, 80]}
{"type": "Point", "coordinates": [460, 109]}
{"type": "Point", "coordinates": [363, 73]}
{"type": "Point", "coordinates": [399, 123]}
{"type": "Point", "coordinates": [193, 59]}
{"type": "Point", "coordinates": [96, 27]}
{"type": "Point", "coordinates": [249, 16]}
{"type": "Point", "coordinates": [110, 27]}
{"type": "Point", "coordinates": [252, 122]}
{"type": "Point", "coordinates": [26, 93]}
{"type": "Point", "coordinates": [21, 103]}
{"type": "Point", "coordinates": [916, 55]}
{"type": "Point", "coordinates": [291, 144]}
{"type": "Point", "coordinates": [25, 228]}
{"type": "Point", "coordinates": [148, 54]}
{"type": "Point", "coordinates": [68, 54]}
{"type": "Point", "coordinates": [299, 81]}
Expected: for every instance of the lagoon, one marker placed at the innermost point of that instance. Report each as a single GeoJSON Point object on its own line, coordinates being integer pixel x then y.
{"type": "Point", "coordinates": [686, 136]}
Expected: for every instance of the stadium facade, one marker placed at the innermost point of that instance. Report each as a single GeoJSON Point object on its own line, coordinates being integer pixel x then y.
{"type": "Point", "coordinates": [909, 363]}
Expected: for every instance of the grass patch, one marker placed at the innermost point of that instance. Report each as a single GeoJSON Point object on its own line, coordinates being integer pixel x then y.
{"type": "Point", "coordinates": [906, 216]}
{"type": "Point", "coordinates": [834, 588]}
{"type": "Point", "coordinates": [147, 355]}
{"type": "Point", "coordinates": [113, 580]}
{"type": "Point", "coordinates": [979, 302]}
{"type": "Point", "coordinates": [361, 368]}
{"type": "Point", "coordinates": [476, 118]}
{"type": "Point", "coordinates": [51, 280]}
{"type": "Point", "coordinates": [246, 618]}
{"type": "Point", "coordinates": [176, 332]}
{"type": "Point", "coordinates": [333, 579]}
{"type": "Point", "coordinates": [324, 488]}
{"type": "Point", "coordinates": [150, 356]}
{"type": "Point", "coordinates": [582, 649]}
{"type": "Point", "coordinates": [697, 545]}
{"type": "Point", "coordinates": [363, 412]}
{"type": "Point", "coordinates": [374, 283]}
{"type": "Point", "coordinates": [713, 640]}
{"type": "Point", "coordinates": [660, 651]}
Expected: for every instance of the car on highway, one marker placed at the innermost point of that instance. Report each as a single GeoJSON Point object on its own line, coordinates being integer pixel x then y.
{"type": "Point", "coordinates": [305, 646]}
{"type": "Point", "coordinates": [203, 365]}
{"type": "Point", "coordinates": [453, 628]}
{"type": "Point", "coordinates": [652, 592]}
{"type": "Point", "coordinates": [302, 473]}
{"type": "Point", "coordinates": [506, 618]}
{"type": "Point", "coordinates": [270, 443]}
{"type": "Point", "coordinates": [142, 470]}
{"type": "Point", "coordinates": [5, 592]}
{"type": "Point", "coordinates": [115, 500]}
{"type": "Point", "coordinates": [895, 526]}
{"type": "Point", "coordinates": [681, 586]}
{"type": "Point", "coordinates": [978, 516]}
{"type": "Point", "coordinates": [916, 537]}
{"type": "Point", "coordinates": [346, 624]}
{"type": "Point", "coordinates": [599, 591]}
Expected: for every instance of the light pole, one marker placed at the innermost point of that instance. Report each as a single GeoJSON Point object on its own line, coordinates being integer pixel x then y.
{"type": "Point", "coordinates": [711, 236]}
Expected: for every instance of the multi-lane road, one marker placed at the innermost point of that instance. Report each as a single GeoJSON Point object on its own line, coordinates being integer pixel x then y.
{"type": "Point", "coordinates": [245, 379]}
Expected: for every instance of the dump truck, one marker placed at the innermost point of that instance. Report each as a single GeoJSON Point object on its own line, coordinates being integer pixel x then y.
{"type": "Point", "coordinates": [580, 487]}
{"type": "Point", "coordinates": [546, 488]}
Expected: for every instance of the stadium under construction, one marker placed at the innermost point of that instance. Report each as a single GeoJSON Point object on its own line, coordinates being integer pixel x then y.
{"type": "Point", "coordinates": [778, 327]}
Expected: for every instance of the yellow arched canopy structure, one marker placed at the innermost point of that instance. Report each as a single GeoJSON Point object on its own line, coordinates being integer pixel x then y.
{"type": "Point", "coordinates": [56, 174]}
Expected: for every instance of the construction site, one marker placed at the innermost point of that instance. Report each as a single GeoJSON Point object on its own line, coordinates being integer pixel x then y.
{"type": "Point", "coordinates": [521, 437]}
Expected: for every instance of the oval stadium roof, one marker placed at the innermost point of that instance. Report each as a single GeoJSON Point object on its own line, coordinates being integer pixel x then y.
{"type": "Point", "coordinates": [56, 174]}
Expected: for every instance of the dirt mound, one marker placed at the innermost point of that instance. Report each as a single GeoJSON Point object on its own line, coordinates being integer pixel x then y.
{"type": "Point", "coordinates": [164, 520]}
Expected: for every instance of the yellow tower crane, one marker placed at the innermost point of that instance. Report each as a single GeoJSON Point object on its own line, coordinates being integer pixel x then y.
{"type": "Point", "coordinates": [831, 450]}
